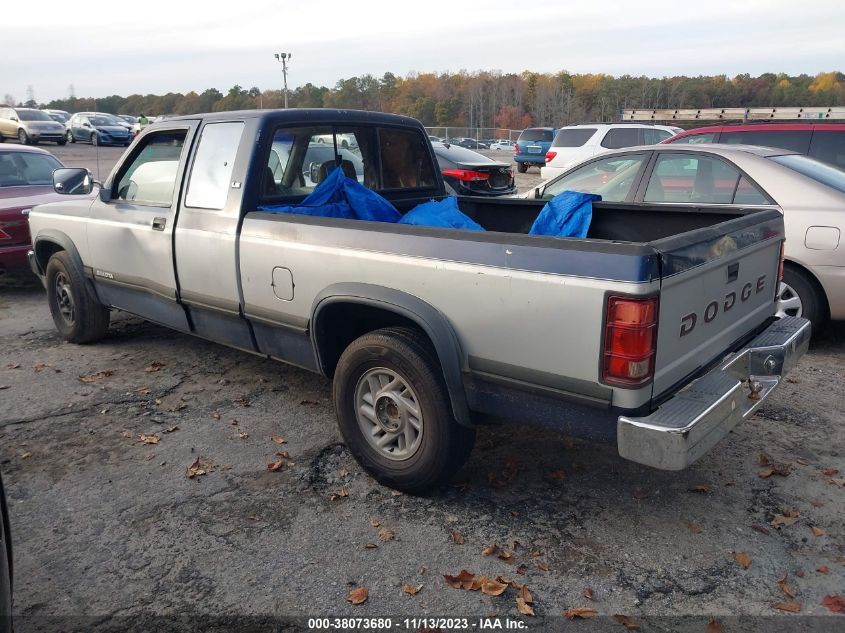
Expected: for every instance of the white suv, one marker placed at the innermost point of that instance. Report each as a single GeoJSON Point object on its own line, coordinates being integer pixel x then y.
{"type": "Point", "coordinates": [575, 143]}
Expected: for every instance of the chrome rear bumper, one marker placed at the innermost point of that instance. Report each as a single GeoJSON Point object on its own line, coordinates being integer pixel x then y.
{"type": "Point", "coordinates": [696, 418]}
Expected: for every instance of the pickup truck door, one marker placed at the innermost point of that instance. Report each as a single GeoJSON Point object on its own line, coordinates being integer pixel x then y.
{"type": "Point", "coordinates": [130, 230]}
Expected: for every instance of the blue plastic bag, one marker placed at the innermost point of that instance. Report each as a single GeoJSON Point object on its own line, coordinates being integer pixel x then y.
{"type": "Point", "coordinates": [340, 197]}
{"type": "Point", "coordinates": [568, 214]}
{"type": "Point", "coordinates": [443, 213]}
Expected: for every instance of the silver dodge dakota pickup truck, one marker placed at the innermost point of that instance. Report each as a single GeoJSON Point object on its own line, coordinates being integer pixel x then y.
{"type": "Point", "coordinates": [655, 331]}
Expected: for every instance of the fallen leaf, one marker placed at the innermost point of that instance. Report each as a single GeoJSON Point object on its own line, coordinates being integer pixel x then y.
{"type": "Point", "coordinates": [784, 587]}
{"type": "Point", "coordinates": [370, 546]}
{"type": "Point", "coordinates": [311, 402]}
{"type": "Point", "coordinates": [198, 468]}
{"type": "Point", "coordinates": [154, 367]}
{"type": "Point", "coordinates": [760, 529]}
{"type": "Point", "coordinates": [37, 367]}
{"type": "Point", "coordinates": [505, 554]}
{"type": "Point", "coordinates": [838, 482]}
{"type": "Point", "coordinates": [581, 613]}
{"type": "Point", "coordinates": [171, 429]}
{"type": "Point", "coordinates": [490, 550]}
{"type": "Point", "coordinates": [835, 603]}
{"type": "Point", "coordinates": [822, 569]}
{"type": "Point", "coordinates": [781, 470]}
{"type": "Point", "coordinates": [143, 391]}
{"type": "Point", "coordinates": [816, 504]}
{"type": "Point", "coordinates": [150, 439]}
{"type": "Point", "coordinates": [343, 473]}
{"type": "Point", "coordinates": [358, 596]}
{"type": "Point", "coordinates": [411, 590]}
{"type": "Point", "coordinates": [714, 626]}
{"type": "Point", "coordinates": [792, 607]}
{"type": "Point", "coordinates": [374, 522]}
{"type": "Point", "coordinates": [542, 565]}
{"type": "Point", "coordinates": [535, 552]}
{"type": "Point", "coordinates": [523, 607]}
{"type": "Point", "coordinates": [344, 492]}
{"type": "Point", "coordinates": [588, 593]}
{"type": "Point", "coordinates": [242, 401]}
{"type": "Point", "coordinates": [457, 538]}
{"type": "Point", "coordinates": [765, 460]}
{"type": "Point", "coordinates": [788, 517]}
{"type": "Point", "coordinates": [816, 531]}
{"type": "Point", "coordinates": [283, 454]}
{"type": "Point", "coordinates": [792, 380]}
{"type": "Point", "coordinates": [385, 534]}
{"type": "Point", "coordinates": [766, 472]}
{"type": "Point", "coordinates": [743, 559]}
{"type": "Point", "coordinates": [215, 414]}
{"type": "Point", "coordinates": [13, 366]}
{"type": "Point", "coordinates": [278, 439]}
{"type": "Point", "coordinates": [695, 528]}
{"type": "Point", "coordinates": [127, 434]}
{"type": "Point", "coordinates": [463, 580]}
{"type": "Point", "coordinates": [556, 475]}
{"type": "Point", "coordinates": [94, 377]}
{"type": "Point", "coordinates": [526, 596]}
{"type": "Point", "coordinates": [522, 569]}
{"type": "Point", "coordinates": [627, 621]}
{"type": "Point", "coordinates": [26, 455]}
{"type": "Point", "coordinates": [276, 465]}
{"type": "Point", "coordinates": [830, 472]}
{"type": "Point", "coordinates": [243, 435]}
{"type": "Point", "coordinates": [493, 587]}
{"type": "Point", "coordinates": [514, 545]}
{"type": "Point", "coordinates": [702, 488]}
{"type": "Point", "coordinates": [802, 461]}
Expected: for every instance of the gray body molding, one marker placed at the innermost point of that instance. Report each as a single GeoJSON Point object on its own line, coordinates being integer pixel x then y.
{"type": "Point", "coordinates": [433, 322]}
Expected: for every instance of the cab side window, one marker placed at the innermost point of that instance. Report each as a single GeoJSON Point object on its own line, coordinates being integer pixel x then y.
{"type": "Point", "coordinates": [150, 178]}
{"type": "Point", "coordinates": [211, 173]}
{"type": "Point", "coordinates": [700, 179]}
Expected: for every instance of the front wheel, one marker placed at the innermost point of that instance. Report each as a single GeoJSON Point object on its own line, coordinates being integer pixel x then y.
{"type": "Point", "coordinates": [23, 137]}
{"type": "Point", "coordinates": [70, 137]}
{"type": "Point", "coordinates": [798, 296]}
{"type": "Point", "coordinates": [95, 140]}
{"type": "Point", "coordinates": [522, 167]}
{"type": "Point", "coordinates": [78, 316]}
{"type": "Point", "coordinates": [394, 412]}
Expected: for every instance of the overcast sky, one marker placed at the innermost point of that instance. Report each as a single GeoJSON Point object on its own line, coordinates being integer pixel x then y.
{"type": "Point", "coordinates": [157, 46]}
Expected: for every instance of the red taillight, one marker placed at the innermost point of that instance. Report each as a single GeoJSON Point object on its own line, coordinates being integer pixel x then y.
{"type": "Point", "coordinates": [466, 175]}
{"type": "Point", "coordinates": [516, 148]}
{"type": "Point", "coordinates": [630, 341]}
{"type": "Point", "coordinates": [550, 156]}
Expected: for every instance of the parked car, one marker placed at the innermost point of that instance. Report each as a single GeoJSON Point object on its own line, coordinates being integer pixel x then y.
{"type": "Point", "coordinates": [502, 144]}
{"type": "Point", "coordinates": [98, 128]}
{"type": "Point", "coordinates": [575, 143]}
{"type": "Point", "coordinates": [62, 116]}
{"type": "Point", "coordinates": [469, 173]}
{"type": "Point", "coordinates": [434, 139]}
{"type": "Point", "coordinates": [420, 323]}
{"type": "Point", "coordinates": [317, 154]}
{"type": "Point", "coordinates": [531, 147]}
{"type": "Point", "coordinates": [822, 141]}
{"type": "Point", "coordinates": [809, 193]}
{"type": "Point", "coordinates": [26, 179]}
{"type": "Point", "coordinates": [5, 565]}
{"type": "Point", "coordinates": [29, 125]}
{"type": "Point", "coordinates": [467, 142]}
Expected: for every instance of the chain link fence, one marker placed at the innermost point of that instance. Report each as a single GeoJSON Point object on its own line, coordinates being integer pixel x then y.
{"type": "Point", "coordinates": [482, 135]}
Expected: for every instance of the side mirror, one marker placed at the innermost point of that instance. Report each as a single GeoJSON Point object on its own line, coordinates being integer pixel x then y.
{"type": "Point", "coordinates": [13, 118]}
{"type": "Point", "coordinates": [72, 180]}
{"type": "Point", "coordinates": [314, 172]}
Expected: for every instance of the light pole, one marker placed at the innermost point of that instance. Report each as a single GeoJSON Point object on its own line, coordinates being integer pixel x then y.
{"type": "Point", "coordinates": [284, 57]}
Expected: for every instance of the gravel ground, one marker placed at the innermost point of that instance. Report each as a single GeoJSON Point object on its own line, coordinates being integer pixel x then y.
{"type": "Point", "coordinates": [110, 527]}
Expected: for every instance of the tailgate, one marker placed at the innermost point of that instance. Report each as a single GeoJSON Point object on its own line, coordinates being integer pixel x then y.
{"type": "Point", "coordinates": [717, 287]}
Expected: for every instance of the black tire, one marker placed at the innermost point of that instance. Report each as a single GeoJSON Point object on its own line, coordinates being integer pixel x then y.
{"type": "Point", "coordinates": [522, 167]}
{"type": "Point", "coordinates": [95, 140]}
{"type": "Point", "coordinates": [62, 142]}
{"type": "Point", "coordinates": [70, 137]}
{"type": "Point", "coordinates": [78, 316]}
{"type": "Point", "coordinates": [443, 445]}
{"type": "Point", "coordinates": [23, 137]}
{"type": "Point", "coordinates": [813, 305]}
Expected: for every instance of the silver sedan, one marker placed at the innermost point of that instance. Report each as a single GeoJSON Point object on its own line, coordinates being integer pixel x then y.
{"type": "Point", "coordinates": [810, 194]}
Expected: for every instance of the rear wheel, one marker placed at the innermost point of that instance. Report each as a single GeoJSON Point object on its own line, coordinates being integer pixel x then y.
{"type": "Point", "coordinates": [61, 142]}
{"type": "Point", "coordinates": [522, 167]}
{"type": "Point", "coordinates": [23, 137]}
{"type": "Point", "coordinates": [799, 296]}
{"type": "Point", "coordinates": [394, 412]}
{"type": "Point", "coordinates": [70, 137]}
{"type": "Point", "coordinates": [78, 316]}
{"type": "Point", "coordinates": [95, 140]}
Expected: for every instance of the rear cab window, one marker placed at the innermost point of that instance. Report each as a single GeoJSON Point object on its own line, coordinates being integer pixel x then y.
{"type": "Point", "coordinates": [379, 158]}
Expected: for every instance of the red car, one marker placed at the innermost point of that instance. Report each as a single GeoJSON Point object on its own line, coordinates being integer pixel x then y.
{"type": "Point", "coordinates": [26, 179]}
{"type": "Point", "coordinates": [822, 141]}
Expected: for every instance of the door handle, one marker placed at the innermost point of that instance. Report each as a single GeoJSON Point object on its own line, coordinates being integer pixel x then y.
{"type": "Point", "coordinates": [159, 223]}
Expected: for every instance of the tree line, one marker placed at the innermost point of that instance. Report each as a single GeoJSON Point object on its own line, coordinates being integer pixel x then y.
{"type": "Point", "coordinates": [493, 98]}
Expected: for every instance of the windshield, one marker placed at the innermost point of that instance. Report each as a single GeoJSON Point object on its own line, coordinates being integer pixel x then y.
{"type": "Point", "coordinates": [104, 120]}
{"type": "Point", "coordinates": [811, 168]}
{"type": "Point", "coordinates": [18, 169]}
{"type": "Point", "coordinates": [33, 115]}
